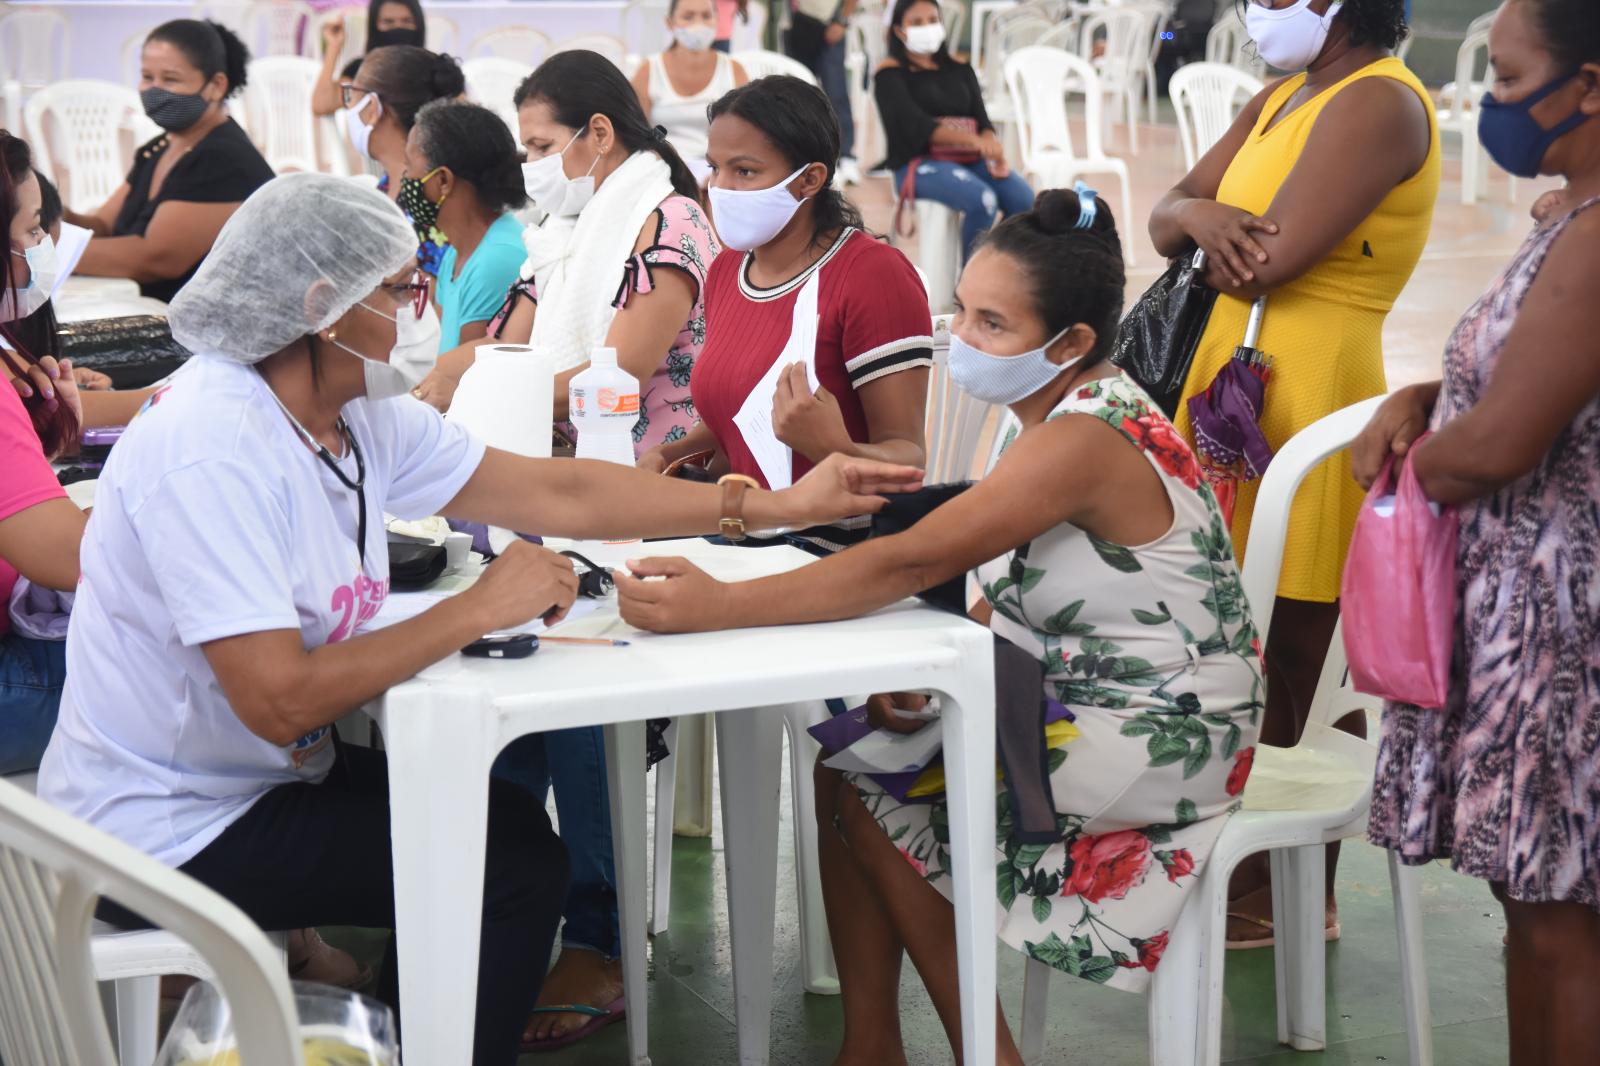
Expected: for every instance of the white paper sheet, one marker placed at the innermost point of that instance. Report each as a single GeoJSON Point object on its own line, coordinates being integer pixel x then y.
{"type": "Point", "coordinates": [754, 418]}
{"type": "Point", "coordinates": [883, 752]}
{"type": "Point", "coordinates": [404, 606]}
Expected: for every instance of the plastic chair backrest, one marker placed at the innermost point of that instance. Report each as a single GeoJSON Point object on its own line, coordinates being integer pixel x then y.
{"type": "Point", "coordinates": [1269, 522]}
{"type": "Point", "coordinates": [278, 99]}
{"type": "Point", "coordinates": [1123, 35]}
{"type": "Point", "coordinates": [524, 44]}
{"type": "Point", "coordinates": [1207, 98]}
{"type": "Point", "coordinates": [955, 420]}
{"type": "Point", "coordinates": [77, 129]}
{"type": "Point", "coordinates": [53, 871]}
{"type": "Point", "coordinates": [444, 36]}
{"type": "Point", "coordinates": [281, 28]}
{"type": "Point", "coordinates": [760, 63]}
{"type": "Point", "coordinates": [1039, 80]}
{"type": "Point", "coordinates": [1482, 23]}
{"type": "Point", "coordinates": [355, 38]}
{"type": "Point", "coordinates": [607, 44]}
{"type": "Point", "coordinates": [644, 26]}
{"type": "Point", "coordinates": [493, 82]}
{"type": "Point", "coordinates": [1472, 65]}
{"type": "Point", "coordinates": [34, 45]}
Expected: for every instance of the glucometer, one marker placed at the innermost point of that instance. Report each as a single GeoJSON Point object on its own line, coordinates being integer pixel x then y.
{"type": "Point", "coordinates": [511, 646]}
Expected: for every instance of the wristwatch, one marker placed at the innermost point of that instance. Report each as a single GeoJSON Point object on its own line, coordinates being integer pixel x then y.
{"type": "Point", "coordinates": [734, 486]}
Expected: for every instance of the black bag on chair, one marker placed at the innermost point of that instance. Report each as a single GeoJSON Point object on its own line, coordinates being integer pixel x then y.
{"type": "Point", "coordinates": [1157, 339]}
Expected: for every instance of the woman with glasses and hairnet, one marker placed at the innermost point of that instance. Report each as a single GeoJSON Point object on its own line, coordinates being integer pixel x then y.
{"type": "Point", "coordinates": [236, 555]}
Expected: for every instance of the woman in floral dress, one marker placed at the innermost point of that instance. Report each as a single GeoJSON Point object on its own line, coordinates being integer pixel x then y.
{"type": "Point", "coordinates": [1505, 779]}
{"type": "Point", "coordinates": [1103, 555]}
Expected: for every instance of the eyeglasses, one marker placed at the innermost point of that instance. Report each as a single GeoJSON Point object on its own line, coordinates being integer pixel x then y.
{"type": "Point", "coordinates": [415, 290]}
{"type": "Point", "coordinates": [351, 95]}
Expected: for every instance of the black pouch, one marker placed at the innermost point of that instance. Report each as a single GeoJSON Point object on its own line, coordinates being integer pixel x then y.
{"type": "Point", "coordinates": [906, 510]}
{"type": "Point", "coordinates": [413, 567]}
{"type": "Point", "coordinates": [133, 352]}
{"type": "Point", "coordinates": [1156, 342]}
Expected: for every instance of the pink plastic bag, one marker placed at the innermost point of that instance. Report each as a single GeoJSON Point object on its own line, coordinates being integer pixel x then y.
{"type": "Point", "coordinates": [1399, 592]}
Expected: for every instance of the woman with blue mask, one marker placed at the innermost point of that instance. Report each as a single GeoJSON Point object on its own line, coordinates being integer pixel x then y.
{"type": "Point", "coordinates": [1319, 197]}
{"type": "Point", "coordinates": [1100, 553]}
{"type": "Point", "coordinates": [187, 183]}
{"type": "Point", "coordinates": [1502, 780]}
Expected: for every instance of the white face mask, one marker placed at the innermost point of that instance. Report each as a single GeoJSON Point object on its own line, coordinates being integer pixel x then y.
{"type": "Point", "coordinates": [384, 381]}
{"type": "Point", "coordinates": [1289, 38]}
{"type": "Point", "coordinates": [748, 218]}
{"type": "Point", "coordinates": [547, 184]}
{"type": "Point", "coordinates": [20, 303]}
{"type": "Point", "coordinates": [925, 40]}
{"type": "Point", "coordinates": [361, 133]}
{"type": "Point", "coordinates": [1004, 378]}
{"type": "Point", "coordinates": [416, 340]}
{"type": "Point", "coordinates": [696, 38]}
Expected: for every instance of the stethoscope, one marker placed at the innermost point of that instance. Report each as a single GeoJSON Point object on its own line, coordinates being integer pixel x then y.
{"type": "Point", "coordinates": [358, 486]}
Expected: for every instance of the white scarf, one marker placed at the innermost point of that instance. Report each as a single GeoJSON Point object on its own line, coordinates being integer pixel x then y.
{"type": "Point", "coordinates": [577, 264]}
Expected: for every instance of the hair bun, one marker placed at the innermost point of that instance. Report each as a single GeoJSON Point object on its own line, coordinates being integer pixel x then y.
{"type": "Point", "coordinates": [1057, 212]}
{"type": "Point", "coordinates": [446, 76]}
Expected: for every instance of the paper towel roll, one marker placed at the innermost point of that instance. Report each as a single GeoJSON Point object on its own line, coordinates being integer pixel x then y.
{"type": "Point", "coordinates": [507, 398]}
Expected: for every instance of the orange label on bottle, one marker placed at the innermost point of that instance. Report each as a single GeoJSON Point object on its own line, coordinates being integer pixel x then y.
{"type": "Point", "coordinates": [614, 403]}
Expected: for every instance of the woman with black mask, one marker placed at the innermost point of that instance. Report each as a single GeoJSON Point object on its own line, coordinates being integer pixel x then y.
{"type": "Point", "coordinates": [187, 183]}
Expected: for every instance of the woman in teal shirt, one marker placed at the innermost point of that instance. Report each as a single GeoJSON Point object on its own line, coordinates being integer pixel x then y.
{"type": "Point", "coordinates": [463, 177]}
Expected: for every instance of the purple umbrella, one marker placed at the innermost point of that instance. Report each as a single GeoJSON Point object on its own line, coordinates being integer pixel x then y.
{"type": "Point", "coordinates": [1226, 417]}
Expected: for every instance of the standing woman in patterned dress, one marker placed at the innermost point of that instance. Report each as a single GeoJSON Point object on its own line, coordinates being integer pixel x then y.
{"type": "Point", "coordinates": [1505, 779]}
{"type": "Point", "coordinates": [1129, 598]}
{"type": "Point", "coordinates": [1320, 197]}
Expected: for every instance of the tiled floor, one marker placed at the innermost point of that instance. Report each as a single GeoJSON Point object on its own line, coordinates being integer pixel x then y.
{"type": "Point", "coordinates": [691, 1001]}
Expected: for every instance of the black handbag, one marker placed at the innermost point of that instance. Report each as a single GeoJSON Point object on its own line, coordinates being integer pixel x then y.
{"type": "Point", "coordinates": [1157, 339]}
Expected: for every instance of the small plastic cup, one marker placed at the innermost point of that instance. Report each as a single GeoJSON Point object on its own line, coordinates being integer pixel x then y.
{"type": "Point", "coordinates": [338, 1028]}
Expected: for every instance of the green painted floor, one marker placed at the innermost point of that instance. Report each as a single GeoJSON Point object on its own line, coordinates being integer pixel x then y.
{"type": "Point", "coordinates": [691, 991]}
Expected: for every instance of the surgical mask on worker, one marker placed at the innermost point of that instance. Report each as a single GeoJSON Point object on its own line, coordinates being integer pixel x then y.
{"type": "Point", "coordinates": [551, 191]}
{"type": "Point", "coordinates": [746, 219]}
{"type": "Point", "coordinates": [173, 112]}
{"type": "Point", "coordinates": [416, 337]}
{"type": "Point", "coordinates": [696, 38]}
{"type": "Point", "coordinates": [1004, 379]}
{"type": "Point", "coordinates": [1513, 137]}
{"type": "Point", "coordinates": [20, 303]}
{"type": "Point", "coordinates": [361, 133]}
{"type": "Point", "coordinates": [384, 381]}
{"type": "Point", "coordinates": [925, 40]}
{"type": "Point", "coordinates": [1289, 38]}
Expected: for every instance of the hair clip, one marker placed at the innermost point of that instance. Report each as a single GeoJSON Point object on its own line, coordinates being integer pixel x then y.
{"type": "Point", "coordinates": [1087, 208]}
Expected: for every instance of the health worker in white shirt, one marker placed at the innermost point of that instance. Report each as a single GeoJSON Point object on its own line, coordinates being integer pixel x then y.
{"type": "Point", "coordinates": [237, 551]}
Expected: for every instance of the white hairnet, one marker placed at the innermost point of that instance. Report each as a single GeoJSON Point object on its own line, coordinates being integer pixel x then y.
{"type": "Point", "coordinates": [295, 257]}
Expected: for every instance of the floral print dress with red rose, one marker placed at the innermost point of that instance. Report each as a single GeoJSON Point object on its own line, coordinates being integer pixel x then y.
{"type": "Point", "coordinates": [1152, 649]}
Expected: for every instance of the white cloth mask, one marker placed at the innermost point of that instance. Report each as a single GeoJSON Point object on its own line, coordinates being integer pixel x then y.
{"type": "Point", "coordinates": [748, 218]}
{"type": "Point", "coordinates": [925, 40]}
{"type": "Point", "coordinates": [361, 133]}
{"type": "Point", "coordinates": [551, 191]}
{"type": "Point", "coordinates": [384, 381]}
{"type": "Point", "coordinates": [416, 344]}
{"type": "Point", "coordinates": [20, 303]}
{"type": "Point", "coordinates": [696, 38]}
{"type": "Point", "coordinates": [1289, 38]}
{"type": "Point", "coordinates": [1004, 379]}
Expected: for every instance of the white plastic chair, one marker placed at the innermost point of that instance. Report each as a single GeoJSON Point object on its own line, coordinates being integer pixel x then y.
{"type": "Point", "coordinates": [607, 44]}
{"type": "Point", "coordinates": [444, 36]}
{"type": "Point", "coordinates": [939, 251]}
{"type": "Point", "coordinates": [277, 98]}
{"type": "Point", "coordinates": [492, 82]}
{"type": "Point", "coordinates": [1458, 114]}
{"type": "Point", "coordinates": [77, 129]}
{"type": "Point", "coordinates": [284, 28]}
{"type": "Point", "coordinates": [1297, 801]}
{"type": "Point", "coordinates": [53, 871]}
{"type": "Point", "coordinates": [955, 420]}
{"type": "Point", "coordinates": [1039, 80]}
{"type": "Point", "coordinates": [1228, 42]}
{"type": "Point", "coordinates": [34, 45]}
{"type": "Point", "coordinates": [644, 26]}
{"type": "Point", "coordinates": [760, 63]}
{"type": "Point", "coordinates": [1207, 98]}
{"type": "Point", "coordinates": [355, 38]}
{"type": "Point", "coordinates": [523, 44]}
{"type": "Point", "coordinates": [1122, 35]}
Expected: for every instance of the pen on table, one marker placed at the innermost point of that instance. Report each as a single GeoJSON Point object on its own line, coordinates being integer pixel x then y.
{"type": "Point", "coordinates": [596, 642]}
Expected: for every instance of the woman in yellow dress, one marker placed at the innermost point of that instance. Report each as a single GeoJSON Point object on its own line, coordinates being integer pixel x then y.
{"type": "Point", "coordinates": [1320, 197]}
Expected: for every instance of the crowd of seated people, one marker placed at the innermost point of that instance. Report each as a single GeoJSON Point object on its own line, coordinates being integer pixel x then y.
{"type": "Point", "coordinates": [330, 324]}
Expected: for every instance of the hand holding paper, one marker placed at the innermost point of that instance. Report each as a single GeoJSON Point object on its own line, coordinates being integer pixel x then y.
{"type": "Point", "coordinates": [806, 416]}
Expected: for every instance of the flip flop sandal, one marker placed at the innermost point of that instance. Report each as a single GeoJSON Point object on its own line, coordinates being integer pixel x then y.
{"type": "Point", "coordinates": [599, 1018]}
{"type": "Point", "coordinates": [1330, 932]}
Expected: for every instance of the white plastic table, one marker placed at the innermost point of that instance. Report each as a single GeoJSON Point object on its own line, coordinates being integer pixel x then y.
{"type": "Point", "coordinates": [443, 729]}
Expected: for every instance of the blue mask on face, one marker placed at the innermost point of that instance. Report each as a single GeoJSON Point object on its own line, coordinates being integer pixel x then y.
{"type": "Point", "coordinates": [1513, 137]}
{"type": "Point", "coordinates": [1004, 378]}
